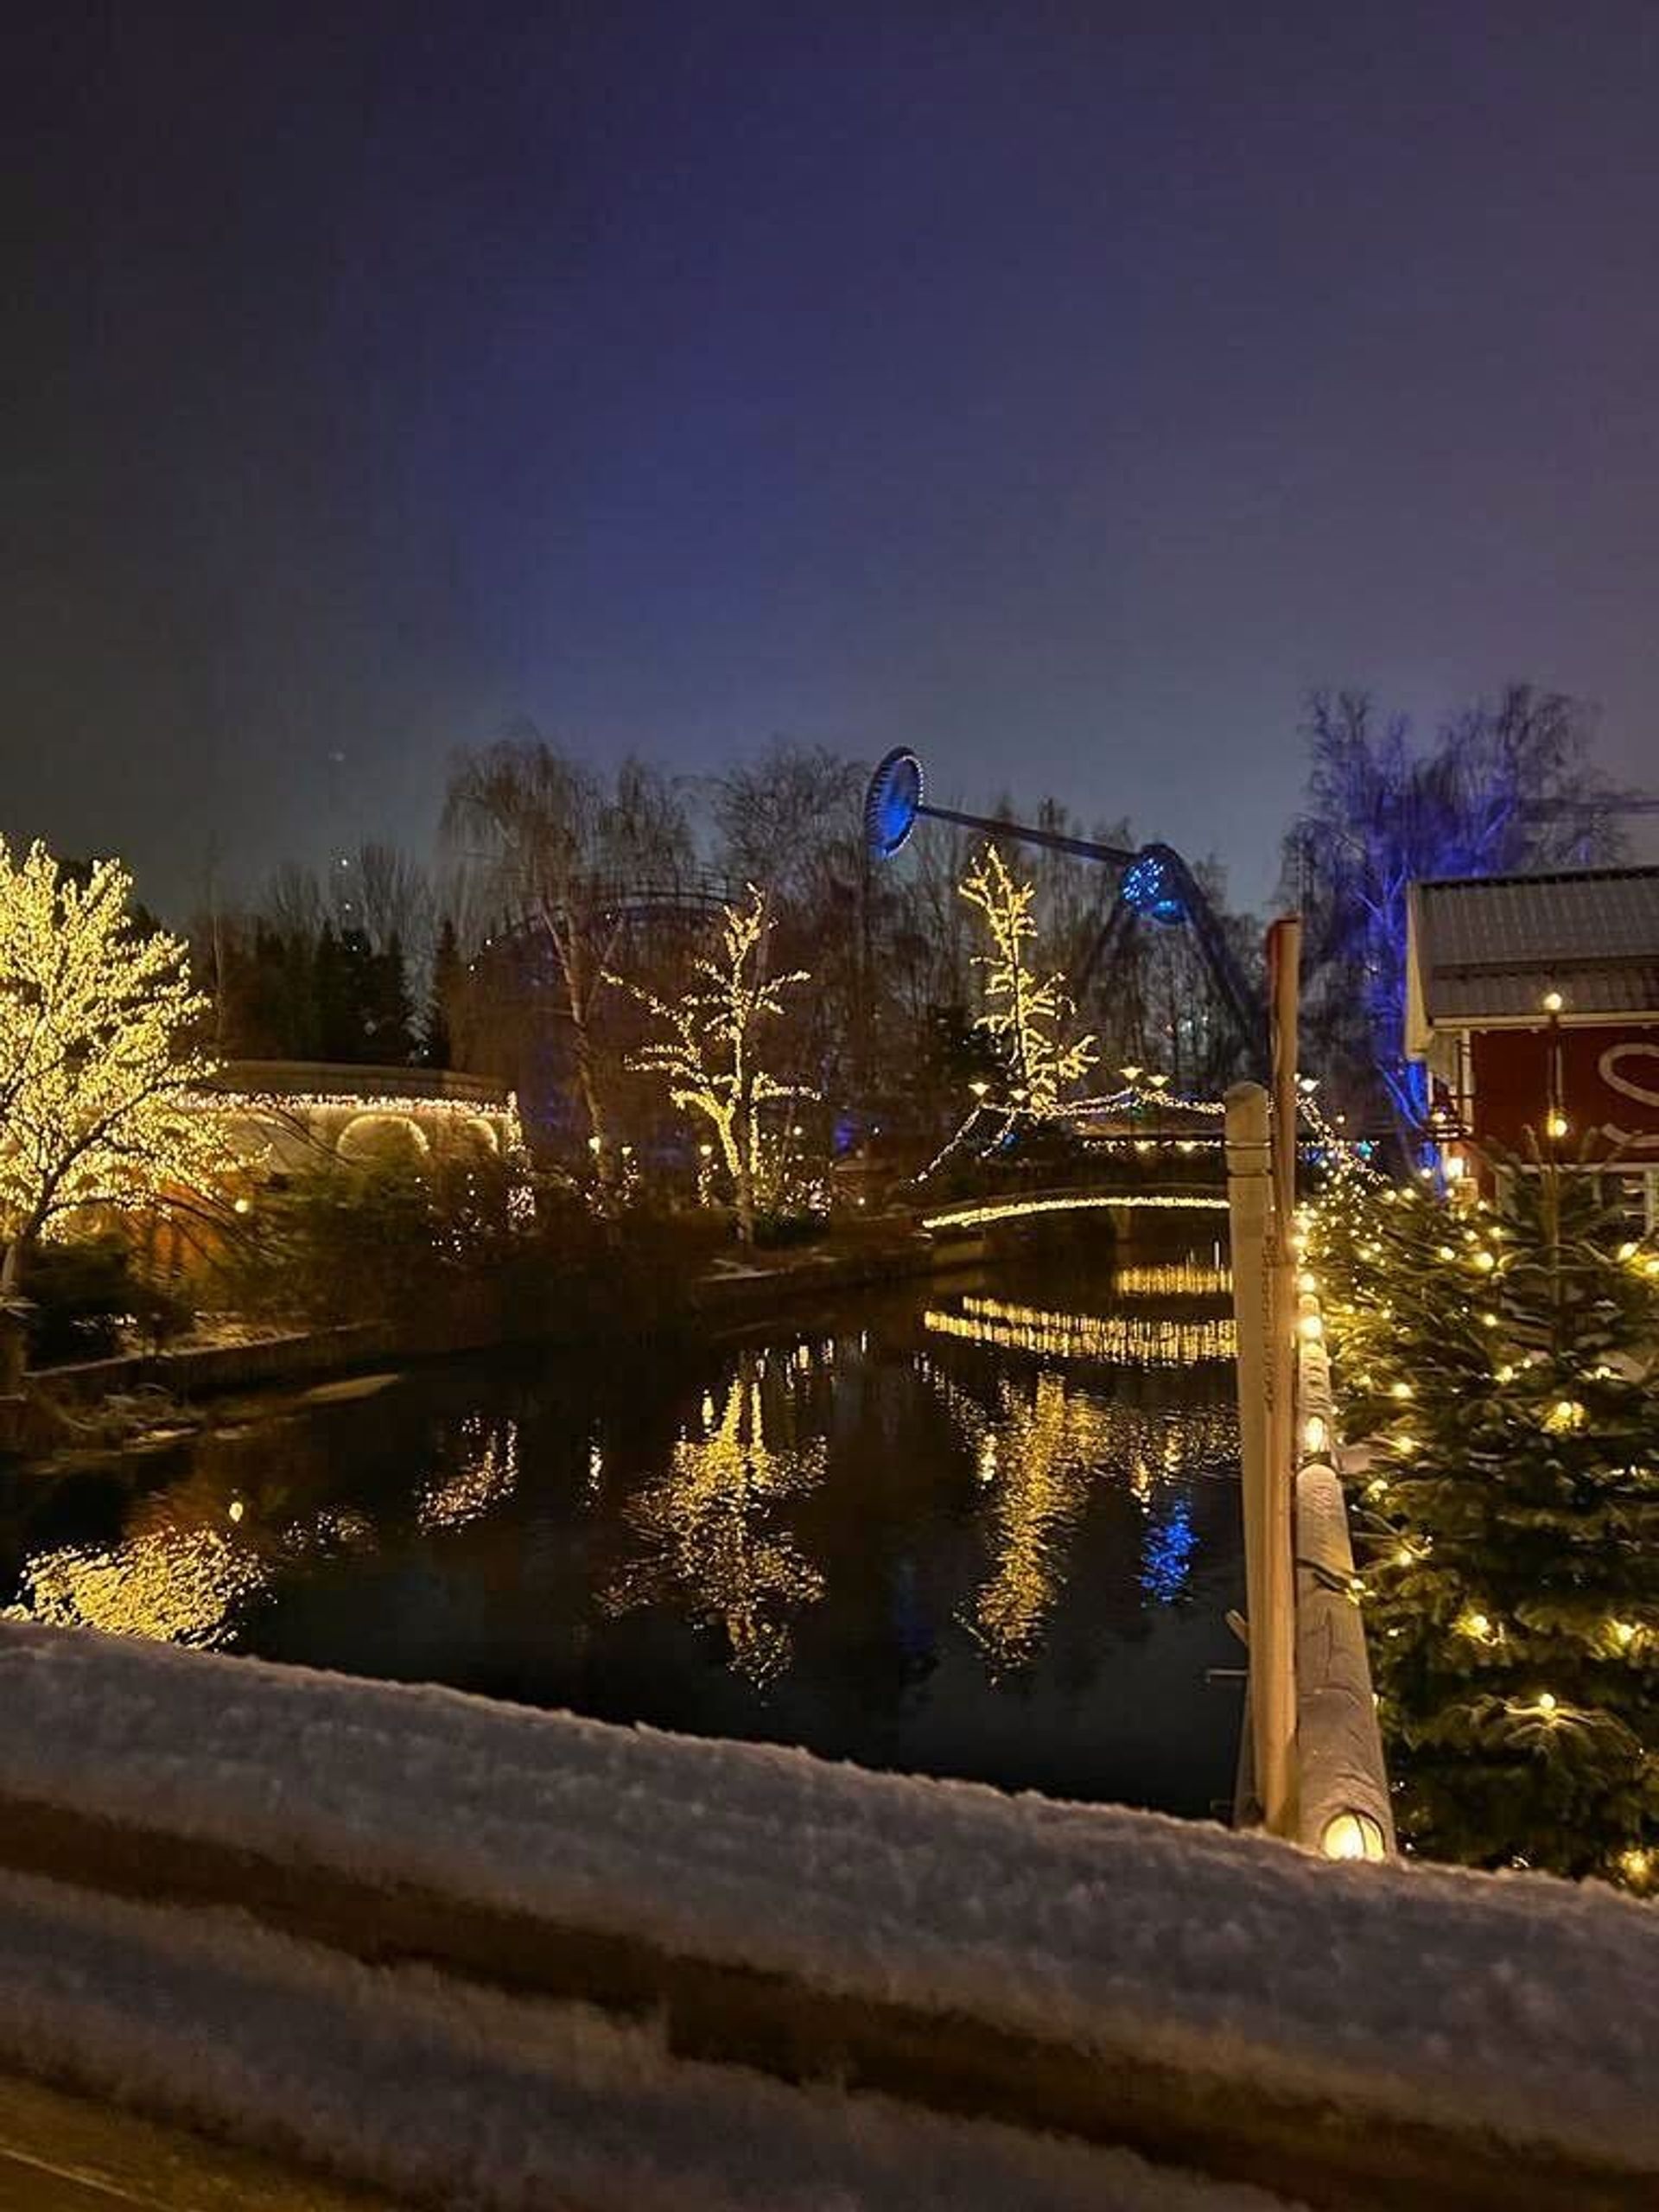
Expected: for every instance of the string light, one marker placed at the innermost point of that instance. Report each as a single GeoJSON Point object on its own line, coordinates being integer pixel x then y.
{"type": "Point", "coordinates": [1566, 1413]}
{"type": "Point", "coordinates": [981, 1216]}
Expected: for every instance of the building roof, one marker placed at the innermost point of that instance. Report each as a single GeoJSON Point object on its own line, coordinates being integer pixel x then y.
{"type": "Point", "coordinates": [1483, 950]}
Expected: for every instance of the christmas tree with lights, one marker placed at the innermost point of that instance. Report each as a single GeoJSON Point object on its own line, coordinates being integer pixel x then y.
{"type": "Point", "coordinates": [1499, 1361]}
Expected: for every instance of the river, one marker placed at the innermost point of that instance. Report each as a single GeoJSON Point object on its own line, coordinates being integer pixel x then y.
{"type": "Point", "coordinates": [988, 1527]}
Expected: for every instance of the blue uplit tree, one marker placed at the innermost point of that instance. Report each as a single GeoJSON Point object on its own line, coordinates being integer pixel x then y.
{"type": "Point", "coordinates": [1503, 787]}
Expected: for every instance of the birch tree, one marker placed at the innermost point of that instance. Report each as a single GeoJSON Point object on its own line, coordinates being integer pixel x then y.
{"type": "Point", "coordinates": [711, 1051]}
{"type": "Point", "coordinates": [547, 846]}
{"type": "Point", "coordinates": [1027, 1015]}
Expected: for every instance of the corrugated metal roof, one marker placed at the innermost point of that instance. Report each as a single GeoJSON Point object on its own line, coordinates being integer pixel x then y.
{"type": "Point", "coordinates": [1488, 949]}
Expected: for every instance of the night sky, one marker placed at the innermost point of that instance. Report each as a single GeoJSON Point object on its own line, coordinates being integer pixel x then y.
{"type": "Point", "coordinates": [1060, 390]}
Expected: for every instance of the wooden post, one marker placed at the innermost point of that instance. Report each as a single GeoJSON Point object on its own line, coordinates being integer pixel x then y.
{"type": "Point", "coordinates": [1284, 985]}
{"type": "Point", "coordinates": [1268, 1594]}
{"type": "Point", "coordinates": [1284, 977]}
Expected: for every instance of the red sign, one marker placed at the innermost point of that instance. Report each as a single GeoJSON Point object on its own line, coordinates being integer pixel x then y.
{"type": "Point", "coordinates": [1606, 1081]}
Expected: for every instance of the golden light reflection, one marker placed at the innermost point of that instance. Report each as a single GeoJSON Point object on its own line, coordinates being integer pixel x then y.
{"type": "Point", "coordinates": [1045, 1460]}
{"type": "Point", "coordinates": [1038, 1451]}
{"type": "Point", "coordinates": [712, 1543]}
{"type": "Point", "coordinates": [1114, 1339]}
{"type": "Point", "coordinates": [171, 1585]}
{"type": "Point", "coordinates": [1175, 1279]}
{"type": "Point", "coordinates": [487, 1473]}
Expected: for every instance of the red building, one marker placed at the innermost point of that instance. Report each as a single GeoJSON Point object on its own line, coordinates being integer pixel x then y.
{"type": "Point", "coordinates": [1534, 1001]}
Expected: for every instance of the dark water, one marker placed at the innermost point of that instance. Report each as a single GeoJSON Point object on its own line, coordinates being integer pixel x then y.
{"type": "Point", "coordinates": [989, 1529]}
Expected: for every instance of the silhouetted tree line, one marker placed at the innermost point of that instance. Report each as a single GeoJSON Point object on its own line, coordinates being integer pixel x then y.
{"type": "Point", "coordinates": [551, 876]}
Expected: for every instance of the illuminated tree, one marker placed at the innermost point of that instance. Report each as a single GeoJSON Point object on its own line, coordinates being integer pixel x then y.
{"type": "Point", "coordinates": [1501, 1362]}
{"type": "Point", "coordinates": [1026, 1014]}
{"type": "Point", "coordinates": [1502, 788]}
{"type": "Point", "coordinates": [711, 1054]}
{"type": "Point", "coordinates": [96, 1069]}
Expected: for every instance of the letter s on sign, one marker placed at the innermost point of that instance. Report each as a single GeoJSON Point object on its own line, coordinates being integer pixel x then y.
{"type": "Point", "coordinates": [1645, 1094]}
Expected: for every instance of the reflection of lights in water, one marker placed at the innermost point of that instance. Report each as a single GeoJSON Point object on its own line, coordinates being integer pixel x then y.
{"type": "Point", "coordinates": [344, 1531]}
{"type": "Point", "coordinates": [175, 1586]}
{"type": "Point", "coordinates": [1115, 1339]}
{"type": "Point", "coordinates": [1043, 1452]}
{"type": "Point", "coordinates": [488, 1473]}
{"type": "Point", "coordinates": [1166, 1552]}
{"type": "Point", "coordinates": [595, 1468]}
{"type": "Point", "coordinates": [1044, 1445]}
{"type": "Point", "coordinates": [1177, 1279]}
{"type": "Point", "coordinates": [704, 1526]}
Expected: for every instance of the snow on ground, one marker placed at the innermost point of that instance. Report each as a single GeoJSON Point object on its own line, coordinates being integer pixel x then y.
{"type": "Point", "coordinates": [1517, 2004]}
{"type": "Point", "coordinates": [453, 2095]}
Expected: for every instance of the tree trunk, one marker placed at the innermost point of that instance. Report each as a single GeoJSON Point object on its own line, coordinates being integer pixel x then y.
{"type": "Point", "coordinates": [578, 992]}
{"type": "Point", "coordinates": [742, 1164]}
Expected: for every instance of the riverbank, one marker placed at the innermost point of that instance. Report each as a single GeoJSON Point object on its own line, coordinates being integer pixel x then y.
{"type": "Point", "coordinates": [59, 1405]}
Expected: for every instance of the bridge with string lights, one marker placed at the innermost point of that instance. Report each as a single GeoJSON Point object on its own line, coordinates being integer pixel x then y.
{"type": "Point", "coordinates": [1145, 1147]}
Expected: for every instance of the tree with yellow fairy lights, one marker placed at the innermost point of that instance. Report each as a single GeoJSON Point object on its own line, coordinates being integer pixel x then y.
{"type": "Point", "coordinates": [712, 1055]}
{"type": "Point", "coordinates": [1502, 1363]}
{"type": "Point", "coordinates": [96, 1068]}
{"type": "Point", "coordinates": [1026, 1015]}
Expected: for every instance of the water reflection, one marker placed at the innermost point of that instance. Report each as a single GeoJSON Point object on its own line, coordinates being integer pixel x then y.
{"type": "Point", "coordinates": [712, 1546]}
{"type": "Point", "coordinates": [1174, 1278]}
{"type": "Point", "coordinates": [1166, 1550]}
{"type": "Point", "coordinates": [1108, 1339]}
{"type": "Point", "coordinates": [487, 1473]}
{"type": "Point", "coordinates": [1047, 1440]}
{"type": "Point", "coordinates": [970, 1536]}
{"type": "Point", "coordinates": [182, 1572]}
{"type": "Point", "coordinates": [193, 1558]}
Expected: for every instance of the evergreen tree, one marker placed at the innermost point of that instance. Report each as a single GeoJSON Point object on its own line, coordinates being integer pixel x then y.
{"type": "Point", "coordinates": [437, 1035]}
{"type": "Point", "coordinates": [388, 1010]}
{"type": "Point", "coordinates": [337, 1031]}
{"type": "Point", "coordinates": [1501, 1360]}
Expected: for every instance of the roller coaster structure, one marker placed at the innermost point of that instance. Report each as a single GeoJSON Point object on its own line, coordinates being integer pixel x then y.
{"type": "Point", "coordinates": [1156, 888]}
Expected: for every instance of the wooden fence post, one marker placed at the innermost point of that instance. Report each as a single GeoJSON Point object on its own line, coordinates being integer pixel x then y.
{"type": "Point", "coordinates": [1269, 1587]}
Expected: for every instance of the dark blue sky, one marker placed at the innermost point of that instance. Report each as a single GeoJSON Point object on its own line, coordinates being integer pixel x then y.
{"type": "Point", "coordinates": [1060, 390]}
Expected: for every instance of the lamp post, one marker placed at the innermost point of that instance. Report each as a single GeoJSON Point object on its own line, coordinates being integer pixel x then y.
{"type": "Point", "coordinates": [1555, 1107]}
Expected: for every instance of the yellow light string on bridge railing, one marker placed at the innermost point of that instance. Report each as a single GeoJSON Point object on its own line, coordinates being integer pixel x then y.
{"type": "Point", "coordinates": [1016, 1208]}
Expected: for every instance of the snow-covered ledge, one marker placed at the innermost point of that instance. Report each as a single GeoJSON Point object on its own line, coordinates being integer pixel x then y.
{"type": "Point", "coordinates": [1226, 2001]}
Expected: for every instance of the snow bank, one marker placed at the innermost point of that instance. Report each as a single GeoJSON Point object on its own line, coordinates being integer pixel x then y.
{"type": "Point", "coordinates": [450, 2095]}
{"type": "Point", "coordinates": [1516, 2006]}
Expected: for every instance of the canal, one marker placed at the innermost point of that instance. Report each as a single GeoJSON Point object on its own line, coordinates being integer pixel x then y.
{"type": "Point", "coordinates": [984, 1527]}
